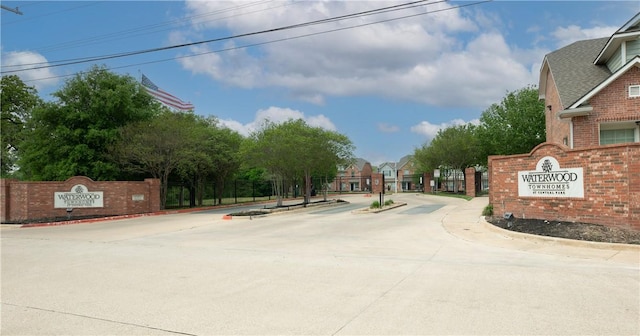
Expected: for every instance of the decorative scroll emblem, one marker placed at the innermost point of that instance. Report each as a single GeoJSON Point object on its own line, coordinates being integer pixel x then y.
{"type": "Point", "coordinates": [546, 166]}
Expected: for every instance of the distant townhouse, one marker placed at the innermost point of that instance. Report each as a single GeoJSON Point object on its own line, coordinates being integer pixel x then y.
{"type": "Point", "coordinates": [354, 177]}
{"type": "Point", "coordinates": [389, 170]}
{"type": "Point", "coordinates": [408, 178]}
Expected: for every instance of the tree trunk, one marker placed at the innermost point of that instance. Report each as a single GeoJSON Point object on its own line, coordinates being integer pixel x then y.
{"type": "Point", "coordinates": [220, 189]}
{"type": "Point", "coordinates": [163, 190]}
{"type": "Point", "coordinates": [278, 188]}
{"type": "Point", "coordinates": [307, 188]}
{"type": "Point", "coordinates": [325, 186]}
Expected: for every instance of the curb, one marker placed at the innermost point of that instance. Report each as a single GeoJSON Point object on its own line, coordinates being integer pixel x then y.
{"type": "Point", "coordinates": [283, 210]}
{"type": "Point", "coordinates": [157, 213]}
{"type": "Point", "coordinates": [102, 219]}
{"type": "Point", "coordinates": [388, 207]}
{"type": "Point", "coordinates": [561, 241]}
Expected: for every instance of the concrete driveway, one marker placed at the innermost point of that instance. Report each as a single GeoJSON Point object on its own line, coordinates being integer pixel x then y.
{"type": "Point", "coordinates": [425, 268]}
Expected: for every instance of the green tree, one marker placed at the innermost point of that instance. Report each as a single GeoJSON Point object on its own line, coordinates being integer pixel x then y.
{"type": "Point", "coordinates": [72, 135]}
{"type": "Point", "coordinates": [225, 153]}
{"type": "Point", "coordinates": [16, 105]}
{"type": "Point", "coordinates": [514, 126]}
{"type": "Point", "coordinates": [212, 153]}
{"type": "Point", "coordinates": [335, 150]}
{"type": "Point", "coordinates": [157, 146]}
{"type": "Point", "coordinates": [454, 148]}
{"type": "Point", "coordinates": [294, 149]}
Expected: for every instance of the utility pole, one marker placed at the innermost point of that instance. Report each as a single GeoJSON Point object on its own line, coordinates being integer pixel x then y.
{"type": "Point", "coordinates": [14, 10]}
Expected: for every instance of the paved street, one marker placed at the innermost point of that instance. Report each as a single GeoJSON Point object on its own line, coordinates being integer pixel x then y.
{"type": "Point", "coordinates": [430, 267]}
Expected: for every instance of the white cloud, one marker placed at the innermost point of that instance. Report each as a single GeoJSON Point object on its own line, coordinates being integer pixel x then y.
{"type": "Point", "coordinates": [451, 58]}
{"type": "Point", "coordinates": [39, 78]}
{"type": "Point", "coordinates": [387, 128]}
{"type": "Point", "coordinates": [277, 115]}
{"type": "Point", "coordinates": [430, 130]}
{"type": "Point", "coordinates": [567, 35]}
{"type": "Point", "coordinates": [421, 59]}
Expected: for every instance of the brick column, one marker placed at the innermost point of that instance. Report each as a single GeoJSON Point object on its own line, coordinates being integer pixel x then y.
{"type": "Point", "coordinates": [426, 182]}
{"type": "Point", "coordinates": [470, 181]}
{"type": "Point", "coordinates": [5, 199]}
{"type": "Point", "coordinates": [154, 194]}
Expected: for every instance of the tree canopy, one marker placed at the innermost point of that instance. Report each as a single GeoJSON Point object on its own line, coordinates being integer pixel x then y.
{"type": "Point", "coordinates": [17, 103]}
{"type": "Point", "coordinates": [514, 126]}
{"type": "Point", "coordinates": [71, 136]}
{"type": "Point", "coordinates": [455, 148]}
{"type": "Point", "coordinates": [183, 144]}
{"type": "Point", "coordinates": [294, 149]}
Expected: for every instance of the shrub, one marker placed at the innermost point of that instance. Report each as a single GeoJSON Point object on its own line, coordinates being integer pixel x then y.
{"type": "Point", "coordinates": [388, 202]}
{"type": "Point", "coordinates": [375, 205]}
{"type": "Point", "coordinates": [488, 210]}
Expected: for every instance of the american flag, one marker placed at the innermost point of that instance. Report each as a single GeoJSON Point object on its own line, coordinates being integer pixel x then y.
{"type": "Point", "coordinates": [164, 97]}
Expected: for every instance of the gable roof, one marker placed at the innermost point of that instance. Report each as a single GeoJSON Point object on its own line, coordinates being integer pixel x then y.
{"type": "Point", "coordinates": [404, 160]}
{"type": "Point", "coordinates": [627, 32]}
{"type": "Point", "coordinates": [388, 164]}
{"type": "Point", "coordinates": [360, 163]}
{"type": "Point", "coordinates": [573, 70]}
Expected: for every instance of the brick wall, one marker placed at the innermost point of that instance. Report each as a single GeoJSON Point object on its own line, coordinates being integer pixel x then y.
{"type": "Point", "coordinates": [557, 129]}
{"type": "Point", "coordinates": [609, 105]}
{"type": "Point", "coordinates": [31, 201]}
{"type": "Point", "coordinates": [611, 185]}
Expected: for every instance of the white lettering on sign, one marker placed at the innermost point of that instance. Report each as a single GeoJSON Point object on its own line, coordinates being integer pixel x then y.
{"type": "Point", "coordinates": [78, 197]}
{"type": "Point", "coordinates": [548, 180]}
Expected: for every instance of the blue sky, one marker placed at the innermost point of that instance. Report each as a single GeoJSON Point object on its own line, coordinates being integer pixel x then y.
{"type": "Point", "coordinates": [389, 86]}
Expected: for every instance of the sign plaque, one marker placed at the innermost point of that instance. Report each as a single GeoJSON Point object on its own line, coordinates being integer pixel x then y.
{"type": "Point", "coordinates": [549, 180]}
{"type": "Point", "coordinates": [78, 197]}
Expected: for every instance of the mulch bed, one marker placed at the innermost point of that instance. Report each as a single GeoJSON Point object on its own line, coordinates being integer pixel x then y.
{"type": "Point", "coordinates": [569, 230]}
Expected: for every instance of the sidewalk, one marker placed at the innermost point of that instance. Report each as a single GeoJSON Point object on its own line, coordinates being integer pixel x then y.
{"type": "Point", "coordinates": [467, 222]}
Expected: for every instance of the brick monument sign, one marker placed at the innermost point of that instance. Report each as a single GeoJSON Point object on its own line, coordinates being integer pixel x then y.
{"type": "Point", "coordinates": [77, 197]}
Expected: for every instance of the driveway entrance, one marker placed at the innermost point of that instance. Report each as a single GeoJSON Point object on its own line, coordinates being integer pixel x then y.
{"type": "Point", "coordinates": [320, 271]}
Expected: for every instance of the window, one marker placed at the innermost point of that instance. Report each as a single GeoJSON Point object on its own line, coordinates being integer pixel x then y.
{"type": "Point", "coordinates": [634, 91]}
{"type": "Point", "coordinates": [615, 133]}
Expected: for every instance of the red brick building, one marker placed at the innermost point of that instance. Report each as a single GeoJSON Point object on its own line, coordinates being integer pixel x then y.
{"type": "Point", "coordinates": [407, 177]}
{"type": "Point", "coordinates": [354, 177]}
{"type": "Point", "coordinates": [589, 168]}
{"type": "Point", "coordinates": [591, 90]}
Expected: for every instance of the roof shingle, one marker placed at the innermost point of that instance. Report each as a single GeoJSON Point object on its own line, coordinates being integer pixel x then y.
{"type": "Point", "coordinates": [573, 70]}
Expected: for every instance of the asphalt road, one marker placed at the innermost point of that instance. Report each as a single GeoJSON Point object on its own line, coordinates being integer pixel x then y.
{"type": "Point", "coordinates": [410, 270]}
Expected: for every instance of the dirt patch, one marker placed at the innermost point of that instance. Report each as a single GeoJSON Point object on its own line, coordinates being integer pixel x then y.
{"type": "Point", "coordinates": [569, 230]}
